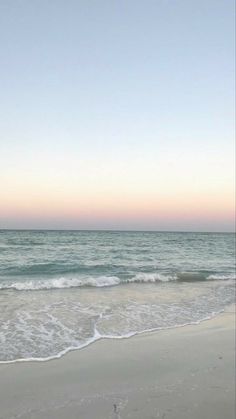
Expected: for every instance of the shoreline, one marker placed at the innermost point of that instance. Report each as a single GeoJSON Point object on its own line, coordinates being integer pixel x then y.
{"type": "Point", "coordinates": [173, 373]}
{"type": "Point", "coordinates": [95, 339]}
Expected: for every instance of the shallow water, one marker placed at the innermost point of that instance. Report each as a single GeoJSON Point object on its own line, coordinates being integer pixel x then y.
{"type": "Point", "coordinates": [64, 290]}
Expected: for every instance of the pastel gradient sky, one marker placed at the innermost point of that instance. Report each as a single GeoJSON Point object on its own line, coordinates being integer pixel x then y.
{"type": "Point", "coordinates": [117, 114]}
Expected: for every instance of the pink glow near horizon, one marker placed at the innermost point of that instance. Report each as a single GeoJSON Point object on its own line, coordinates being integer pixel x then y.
{"type": "Point", "coordinates": [165, 210]}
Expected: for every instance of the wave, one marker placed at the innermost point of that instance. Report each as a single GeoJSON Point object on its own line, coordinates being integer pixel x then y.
{"type": "Point", "coordinates": [152, 278]}
{"type": "Point", "coordinates": [222, 276]}
{"type": "Point", "coordinates": [179, 276]}
{"type": "Point", "coordinates": [57, 283]}
{"type": "Point", "coordinates": [108, 281]}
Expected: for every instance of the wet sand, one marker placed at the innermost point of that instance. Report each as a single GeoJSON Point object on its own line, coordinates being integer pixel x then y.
{"type": "Point", "coordinates": [182, 373]}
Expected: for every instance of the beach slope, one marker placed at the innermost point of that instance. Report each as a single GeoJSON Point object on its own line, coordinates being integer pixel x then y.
{"type": "Point", "coordinates": [180, 373]}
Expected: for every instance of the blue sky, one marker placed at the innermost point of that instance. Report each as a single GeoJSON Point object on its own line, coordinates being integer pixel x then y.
{"type": "Point", "coordinates": [101, 94]}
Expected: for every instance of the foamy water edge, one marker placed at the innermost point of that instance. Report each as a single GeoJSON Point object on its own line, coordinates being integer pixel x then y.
{"type": "Point", "coordinates": [97, 336]}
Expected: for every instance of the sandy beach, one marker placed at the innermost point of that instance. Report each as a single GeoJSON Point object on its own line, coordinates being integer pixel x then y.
{"type": "Point", "coordinates": [179, 373]}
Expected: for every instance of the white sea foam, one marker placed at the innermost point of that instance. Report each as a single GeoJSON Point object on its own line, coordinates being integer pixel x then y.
{"type": "Point", "coordinates": [222, 276]}
{"type": "Point", "coordinates": [50, 325]}
{"type": "Point", "coordinates": [89, 341]}
{"type": "Point", "coordinates": [97, 336]}
{"type": "Point", "coordinates": [108, 281]}
{"type": "Point", "coordinates": [152, 277]}
{"type": "Point", "coordinates": [100, 281]}
{"type": "Point", "coordinates": [57, 283]}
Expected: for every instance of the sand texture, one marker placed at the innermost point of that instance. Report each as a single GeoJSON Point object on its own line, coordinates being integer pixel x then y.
{"type": "Point", "coordinates": [183, 373]}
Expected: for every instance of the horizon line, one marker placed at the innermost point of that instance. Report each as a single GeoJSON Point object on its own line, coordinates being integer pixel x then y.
{"type": "Point", "coordinates": [117, 230]}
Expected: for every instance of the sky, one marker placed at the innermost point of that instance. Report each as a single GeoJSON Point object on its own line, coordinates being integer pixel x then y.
{"type": "Point", "coordinates": [117, 114]}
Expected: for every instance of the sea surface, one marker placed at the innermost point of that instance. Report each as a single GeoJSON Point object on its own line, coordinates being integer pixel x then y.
{"type": "Point", "coordinates": [62, 290]}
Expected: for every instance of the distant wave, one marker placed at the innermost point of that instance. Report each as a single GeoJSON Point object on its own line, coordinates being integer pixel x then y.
{"type": "Point", "coordinates": [152, 278]}
{"type": "Point", "coordinates": [219, 276]}
{"type": "Point", "coordinates": [108, 281]}
{"type": "Point", "coordinates": [179, 276]}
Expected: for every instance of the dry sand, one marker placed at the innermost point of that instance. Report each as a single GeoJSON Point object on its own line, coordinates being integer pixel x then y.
{"type": "Point", "coordinates": [184, 373]}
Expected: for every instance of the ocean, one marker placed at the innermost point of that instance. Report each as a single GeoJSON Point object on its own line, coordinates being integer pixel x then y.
{"type": "Point", "coordinates": [63, 290]}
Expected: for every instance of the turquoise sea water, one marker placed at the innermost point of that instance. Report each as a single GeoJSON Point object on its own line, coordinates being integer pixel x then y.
{"type": "Point", "coordinates": [61, 290]}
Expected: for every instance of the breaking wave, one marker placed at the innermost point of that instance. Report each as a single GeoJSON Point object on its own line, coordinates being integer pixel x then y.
{"type": "Point", "coordinates": [109, 281]}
